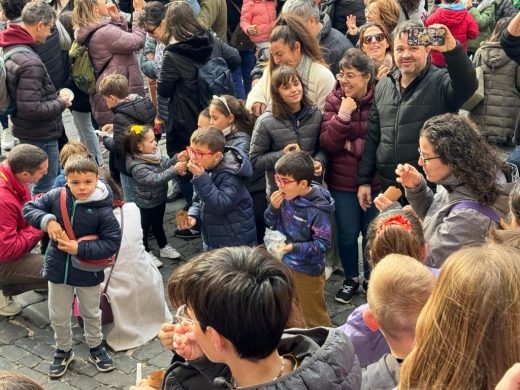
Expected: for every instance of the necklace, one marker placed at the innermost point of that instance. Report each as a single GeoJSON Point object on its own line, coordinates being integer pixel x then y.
{"type": "Point", "coordinates": [275, 378]}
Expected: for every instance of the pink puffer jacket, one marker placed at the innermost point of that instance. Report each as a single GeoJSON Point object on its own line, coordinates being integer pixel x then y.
{"type": "Point", "coordinates": [261, 13]}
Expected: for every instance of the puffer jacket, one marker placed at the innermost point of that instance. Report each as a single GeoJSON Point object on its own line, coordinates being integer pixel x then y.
{"type": "Point", "coordinates": [113, 48]}
{"type": "Point", "coordinates": [345, 8]}
{"type": "Point", "coordinates": [511, 46]}
{"type": "Point", "coordinates": [446, 231]}
{"type": "Point", "coordinates": [132, 110]}
{"type": "Point", "coordinates": [151, 176]}
{"type": "Point", "coordinates": [496, 114]}
{"type": "Point", "coordinates": [333, 43]}
{"type": "Point", "coordinates": [178, 82]}
{"type": "Point", "coordinates": [396, 117]}
{"type": "Point", "coordinates": [505, 8]}
{"type": "Point", "coordinates": [261, 13]}
{"type": "Point", "coordinates": [336, 133]}
{"type": "Point", "coordinates": [242, 141]}
{"type": "Point", "coordinates": [305, 221]}
{"type": "Point", "coordinates": [222, 204]}
{"type": "Point", "coordinates": [38, 108]}
{"type": "Point", "coordinates": [271, 135]}
{"type": "Point", "coordinates": [326, 361]}
{"type": "Point", "coordinates": [147, 66]}
{"type": "Point", "coordinates": [91, 216]}
{"type": "Point", "coordinates": [484, 15]}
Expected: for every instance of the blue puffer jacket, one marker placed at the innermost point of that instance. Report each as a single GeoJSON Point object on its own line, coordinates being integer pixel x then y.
{"type": "Point", "coordinates": [305, 221]}
{"type": "Point", "coordinates": [222, 203]}
{"type": "Point", "coordinates": [91, 216]}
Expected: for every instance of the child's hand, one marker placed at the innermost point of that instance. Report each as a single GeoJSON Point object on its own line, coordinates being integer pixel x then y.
{"type": "Point", "coordinates": [277, 198]}
{"type": "Point", "coordinates": [187, 224]}
{"type": "Point", "coordinates": [252, 30]}
{"type": "Point", "coordinates": [287, 248]}
{"type": "Point", "coordinates": [318, 168]}
{"type": "Point", "coordinates": [291, 147]}
{"type": "Point", "coordinates": [195, 168]}
{"type": "Point", "coordinates": [107, 128]}
{"type": "Point", "coordinates": [184, 342]}
{"type": "Point", "coordinates": [166, 334]}
{"type": "Point", "coordinates": [54, 230]}
{"type": "Point", "coordinates": [181, 168]}
{"type": "Point", "coordinates": [68, 246]}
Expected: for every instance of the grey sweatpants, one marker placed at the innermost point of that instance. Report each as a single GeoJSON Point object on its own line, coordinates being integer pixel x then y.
{"type": "Point", "coordinates": [60, 312]}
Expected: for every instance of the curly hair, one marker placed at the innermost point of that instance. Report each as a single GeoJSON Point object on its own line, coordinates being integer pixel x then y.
{"type": "Point", "coordinates": [461, 146]}
{"type": "Point", "coordinates": [12, 8]}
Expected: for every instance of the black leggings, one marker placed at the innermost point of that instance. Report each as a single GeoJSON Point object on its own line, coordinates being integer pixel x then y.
{"type": "Point", "coordinates": [153, 217]}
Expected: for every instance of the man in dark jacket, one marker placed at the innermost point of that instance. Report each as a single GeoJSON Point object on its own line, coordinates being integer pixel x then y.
{"type": "Point", "coordinates": [37, 120]}
{"type": "Point", "coordinates": [405, 100]}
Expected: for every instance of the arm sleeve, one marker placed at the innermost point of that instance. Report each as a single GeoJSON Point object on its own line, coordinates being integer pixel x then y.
{"type": "Point", "coordinates": [168, 78]}
{"type": "Point", "coordinates": [420, 198]}
{"type": "Point", "coordinates": [367, 165]}
{"type": "Point", "coordinates": [262, 158]}
{"type": "Point", "coordinates": [272, 216]}
{"type": "Point", "coordinates": [122, 42]}
{"type": "Point", "coordinates": [109, 238]}
{"type": "Point", "coordinates": [220, 199]}
{"type": "Point", "coordinates": [321, 237]}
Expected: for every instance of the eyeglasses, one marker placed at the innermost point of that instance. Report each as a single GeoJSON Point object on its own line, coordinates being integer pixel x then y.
{"type": "Point", "coordinates": [195, 153]}
{"type": "Point", "coordinates": [347, 76]}
{"type": "Point", "coordinates": [426, 159]}
{"type": "Point", "coordinates": [182, 315]}
{"type": "Point", "coordinates": [282, 182]}
{"type": "Point", "coordinates": [379, 37]}
{"type": "Point", "coordinates": [152, 30]}
{"type": "Point", "coordinates": [223, 100]}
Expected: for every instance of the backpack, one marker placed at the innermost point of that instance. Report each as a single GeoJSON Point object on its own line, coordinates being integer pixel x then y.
{"type": "Point", "coordinates": [214, 78]}
{"type": "Point", "coordinates": [81, 68]}
{"type": "Point", "coordinates": [7, 104]}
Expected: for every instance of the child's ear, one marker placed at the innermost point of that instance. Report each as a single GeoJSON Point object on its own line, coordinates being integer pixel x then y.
{"type": "Point", "coordinates": [216, 338]}
{"type": "Point", "coordinates": [370, 320]}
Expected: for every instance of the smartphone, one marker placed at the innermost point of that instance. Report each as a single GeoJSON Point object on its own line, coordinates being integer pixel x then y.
{"type": "Point", "coordinates": [426, 36]}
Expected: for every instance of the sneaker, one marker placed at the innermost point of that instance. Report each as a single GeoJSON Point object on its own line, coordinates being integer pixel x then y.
{"type": "Point", "coordinates": [347, 291]}
{"type": "Point", "coordinates": [187, 233]}
{"type": "Point", "coordinates": [60, 363]}
{"type": "Point", "coordinates": [99, 356]}
{"type": "Point", "coordinates": [8, 306]}
{"type": "Point", "coordinates": [169, 252]}
{"type": "Point", "coordinates": [158, 263]}
{"type": "Point", "coordinates": [8, 139]}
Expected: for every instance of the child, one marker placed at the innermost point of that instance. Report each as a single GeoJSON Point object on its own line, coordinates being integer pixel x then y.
{"type": "Point", "coordinates": [257, 20]}
{"type": "Point", "coordinates": [302, 212]}
{"type": "Point", "coordinates": [71, 148]}
{"type": "Point", "coordinates": [151, 174]}
{"type": "Point", "coordinates": [89, 205]}
{"type": "Point", "coordinates": [128, 110]}
{"type": "Point", "coordinates": [399, 288]}
{"type": "Point", "coordinates": [459, 21]}
{"type": "Point", "coordinates": [221, 203]}
{"type": "Point", "coordinates": [204, 118]}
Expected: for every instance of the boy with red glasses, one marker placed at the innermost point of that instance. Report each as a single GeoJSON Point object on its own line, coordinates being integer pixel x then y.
{"type": "Point", "coordinates": [302, 211]}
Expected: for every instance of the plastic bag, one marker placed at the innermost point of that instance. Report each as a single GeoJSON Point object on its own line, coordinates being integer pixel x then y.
{"type": "Point", "coordinates": [274, 242]}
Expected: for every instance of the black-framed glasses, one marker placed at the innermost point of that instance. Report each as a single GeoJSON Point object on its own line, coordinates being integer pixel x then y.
{"type": "Point", "coordinates": [426, 159]}
{"type": "Point", "coordinates": [181, 315]}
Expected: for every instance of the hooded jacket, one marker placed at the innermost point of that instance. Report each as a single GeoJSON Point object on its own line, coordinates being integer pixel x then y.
{"type": "Point", "coordinates": [326, 361]}
{"type": "Point", "coordinates": [511, 45]}
{"type": "Point", "coordinates": [222, 203]}
{"type": "Point", "coordinates": [382, 375]}
{"type": "Point", "coordinates": [178, 82]}
{"type": "Point", "coordinates": [460, 23]}
{"type": "Point", "coordinates": [112, 50]}
{"type": "Point", "coordinates": [38, 109]}
{"type": "Point", "coordinates": [484, 15]}
{"type": "Point", "coordinates": [90, 216]}
{"type": "Point", "coordinates": [17, 237]}
{"type": "Point", "coordinates": [496, 114]}
{"type": "Point", "coordinates": [305, 221]}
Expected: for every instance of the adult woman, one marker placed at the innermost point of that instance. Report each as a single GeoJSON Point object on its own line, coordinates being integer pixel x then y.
{"type": "Point", "coordinates": [412, 10]}
{"type": "Point", "coordinates": [496, 114]}
{"type": "Point", "coordinates": [385, 12]}
{"type": "Point", "coordinates": [138, 313]}
{"type": "Point", "coordinates": [344, 126]}
{"type": "Point", "coordinates": [376, 43]}
{"type": "Point", "coordinates": [473, 185]}
{"type": "Point", "coordinates": [291, 123]}
{"type": "Point", "coordinates": [467, 333]}
{"type": "Point", "coordinates": [292, 44]}
{"type": "Point", "coordinates": [111, 48]}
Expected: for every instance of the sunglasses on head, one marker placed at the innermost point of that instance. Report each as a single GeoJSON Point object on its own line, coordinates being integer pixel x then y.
{"type": "Point", "coordinates": [370, 38]}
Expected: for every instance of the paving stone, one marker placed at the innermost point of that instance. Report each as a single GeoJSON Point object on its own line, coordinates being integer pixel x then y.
{"type": "Point", "coordinates": [43, 366]}
{"type": "Point", "coordinates": [13, 353]}
{"type": "Point", "coordinates": [148, 351]}
{"type": "Point", "coordinates": [60, 384]}
{"type": "Point", "coordinates": [30, 361]}
{"type": "Point", "coordinates": [115, 378]}
{"type": "Point", "coordinates": [34, 375]}
{"type": "Point", "coordinates": [82, 382]}
{"type": "Point", "coordinates": [84, 367]}
{"type": "Point", "coordinates": [162, 360]}
{"type": "Point", "coordinates": [29, 298]}
{"type": "Point", "coordinates": [40, 349]}
{"type": "Point", "coordinates": [6, 364]}
{"type": "Point", "coordinates": [45, 336]}
{"type": "Point", "coordinates": [124, 362]}
{"type": "Point", "coordinates": [10, 332]}
{"type": "Point", "coordinates": [38, 314]}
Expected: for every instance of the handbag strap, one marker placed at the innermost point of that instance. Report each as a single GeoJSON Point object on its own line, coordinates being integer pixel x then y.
{"type": "Point", "coordinates": [117, 253]}
{"type": "Point", "coordinates": [483, 209]}
{"type": "Point", "coordinates": [65, 214]}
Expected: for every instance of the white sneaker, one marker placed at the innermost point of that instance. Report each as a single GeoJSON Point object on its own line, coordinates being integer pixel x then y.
{"type": "Point", "coordinates": [169, 252]}
{"type": "Point", "coordinates": [8, 306]}
{"type": "Point", "coordinates": [158, 263]}
{"type": "Point", "coordinates": [7, 139]}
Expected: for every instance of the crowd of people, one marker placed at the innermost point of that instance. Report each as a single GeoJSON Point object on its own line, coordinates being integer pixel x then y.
{"type": "Point", "coordinates": [292, 129]}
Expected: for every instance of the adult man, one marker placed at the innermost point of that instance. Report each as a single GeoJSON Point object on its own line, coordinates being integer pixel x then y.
{"type": "Point", "coordinates": [213, 14]}
{"type": "Point", "coordinates": [37, 120]}
{"type": "Point", "coordinates": [405, 100]}
{"type": "Point", "coordinates": [19, 269]}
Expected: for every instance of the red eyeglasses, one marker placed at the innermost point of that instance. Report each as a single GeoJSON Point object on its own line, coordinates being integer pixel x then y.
{"type": "Point", "coordinates": [195, 153]}
{"type": "Point", "coordinates": [282, 182]}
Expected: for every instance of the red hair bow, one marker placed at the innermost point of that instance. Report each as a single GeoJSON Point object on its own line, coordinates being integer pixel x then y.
{"type": "Point", "coordinates": [396, 220]}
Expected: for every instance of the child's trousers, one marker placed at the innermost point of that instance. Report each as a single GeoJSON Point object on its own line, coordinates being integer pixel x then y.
{"type": "Point", "coordinates": [60, 312]}
{"type": "Point", "coordinates": [311, 296]}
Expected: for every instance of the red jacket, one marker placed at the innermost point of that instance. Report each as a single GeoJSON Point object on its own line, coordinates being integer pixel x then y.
{"type": "Point", "coordinates": [461, 25]}
{"type": "Point", "coordinates": [335, 132]}
{"type": "Point", "coordinates": [17, 237]}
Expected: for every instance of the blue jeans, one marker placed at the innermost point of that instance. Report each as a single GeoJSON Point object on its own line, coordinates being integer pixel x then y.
{"type": "Point", "coordinates": [351, 220]}
{"type": "Point", "coordinates": [128, 186]}
{"type": "Point", "coordinates": [87, 136]}
{"type": "Point", "coordinates": [514, 157]}
{"type": "Point", "coordinates": [239, 85]}
{"type": "Point", "coordinates": [51, 148]}
{"type": "Point", "coordinates": [247, 65]}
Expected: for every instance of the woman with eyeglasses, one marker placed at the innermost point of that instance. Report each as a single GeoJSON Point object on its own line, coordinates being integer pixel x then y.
{"type": "Point", "coordinates": [472, 180]}
{"type": "Point", "coordinates": [343, 131]}
{"type": "Point", "coordinates": [376, 43]}
{"type": "Point", "coordinates": [386, 12]}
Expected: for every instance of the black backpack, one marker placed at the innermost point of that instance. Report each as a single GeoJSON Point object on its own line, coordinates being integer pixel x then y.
{"type": "Point", "coordinates": [214, 78]}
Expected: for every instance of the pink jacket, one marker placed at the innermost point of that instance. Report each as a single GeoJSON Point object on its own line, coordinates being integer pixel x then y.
{"type": "Point", "coordinates": [261, 13]}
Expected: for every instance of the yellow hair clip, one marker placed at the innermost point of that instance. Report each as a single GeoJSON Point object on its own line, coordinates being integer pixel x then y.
{"type": "Point", "coordinates": [136, 129]}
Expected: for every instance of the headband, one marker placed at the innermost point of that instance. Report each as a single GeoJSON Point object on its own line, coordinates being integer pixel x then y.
{"type": "Point", "coordinates": [396, 220]}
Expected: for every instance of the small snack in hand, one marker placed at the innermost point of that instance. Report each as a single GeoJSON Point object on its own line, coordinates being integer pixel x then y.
{"type": "Point", "coordinates": [181, 217]}
{"type": "Point", "coordinates": [392, 193]}
{"type": "Point", "coordinates": [63, 236]}
{"type": "Point", "coordinates": [183, 156]}
{"type": "Point", "coordinates": [155, 379]}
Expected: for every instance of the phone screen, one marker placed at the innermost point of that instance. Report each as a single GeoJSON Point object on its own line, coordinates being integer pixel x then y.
{"type": "Point", "coordinates": [425, 36]}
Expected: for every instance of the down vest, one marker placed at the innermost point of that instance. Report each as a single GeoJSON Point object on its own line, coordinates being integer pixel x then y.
{"type": "Point", "coordinates": [496, 114]}
{"type": "Point", "coordinates": [336, 133]}
{"type": "Point", "coordinates": [396, 117]}
{"type": "Point", "coordinates": [54, 58]}
{"type": "Point", "coordinates": [113, 48]}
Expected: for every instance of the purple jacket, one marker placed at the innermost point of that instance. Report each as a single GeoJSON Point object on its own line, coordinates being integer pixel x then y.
{"type": "Point", "coordinates": [112, 47]}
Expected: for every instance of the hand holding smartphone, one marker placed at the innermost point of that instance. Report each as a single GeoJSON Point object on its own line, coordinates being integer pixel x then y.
{"type": "Point", "coordinates": [426, 36]}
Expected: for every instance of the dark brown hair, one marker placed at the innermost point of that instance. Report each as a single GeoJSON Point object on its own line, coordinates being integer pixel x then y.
{"type": "Point", "coordinates": [133, 139]}
{"type": "Point", "coordinates": [80, 164]}
{"type": "Point", "coordinates": [244, 121]}
{"type": "Point", "coordinates": [211, 137]}
{"type": "Point", "coordinates": [181, 22]}
{"type": "Point", "coordinates": [362, 32]}
{"type": "Point", "coordinates": [280, 77]}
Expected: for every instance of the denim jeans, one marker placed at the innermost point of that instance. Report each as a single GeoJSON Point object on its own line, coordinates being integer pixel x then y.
{"type": "Point", "coordinates": [239, 85]}
{"type": "Point", "coordinates": [247, 65]}
{"type": "Point", "coordinates": [351, 220]}
{"type": "Point", "coordinates": [51, 148]}
{"type": "Point", "coordinates": [87, 136]}
{"type": "Point", "coordinates": [514, 157]}
{"type": "Point", "coordinates": [4, 121]}
{"type": "Point", "coordinates": [128, 186]}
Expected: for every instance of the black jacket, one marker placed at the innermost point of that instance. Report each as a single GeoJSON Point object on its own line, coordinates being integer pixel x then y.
{"type": "Point", "coordinates": [345, 8]}
{"type": "Point", "coordinates": [396, 118]}
{"type": "Point", "coordinates": [178, 82]}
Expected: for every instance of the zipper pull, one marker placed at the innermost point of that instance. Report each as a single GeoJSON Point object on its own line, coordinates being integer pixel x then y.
{"type": "Point", "coordinates": [298, 123]}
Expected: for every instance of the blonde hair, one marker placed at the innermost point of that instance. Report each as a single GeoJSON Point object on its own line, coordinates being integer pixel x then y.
{"type": "Point", "coordinates": [389, 11]}
{"type": "Point", "coordinates": [83, 13]}
{"type": "Point", "coordinates": [468, 333]}
{"type": "Point", "coordinates": [72, 148]}
{"type": "Point", "coordinates": [399, 288]}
